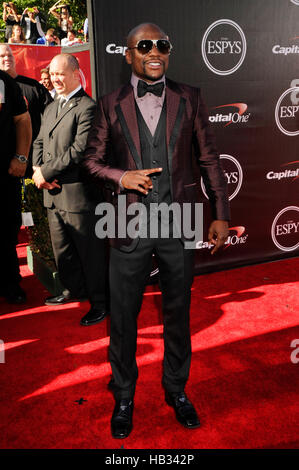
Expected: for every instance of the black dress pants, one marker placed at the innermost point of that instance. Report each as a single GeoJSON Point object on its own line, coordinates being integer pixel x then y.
{"type": "Point", "coordinates": [129, 273]}
{"type": "Point", "coordinates": [10, 196]}
{"type": "Point", "coordinates": [80, 256]}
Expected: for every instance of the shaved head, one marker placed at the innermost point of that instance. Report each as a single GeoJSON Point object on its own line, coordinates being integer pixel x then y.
{"type": "Point", "coordinates": [7, 60]}
{"type": "Point", "coordinates": [69, 60]}
{"type": "Point", "coordinates": [143, 27]}
{"type": "Point", "coordinates": [65, 73]}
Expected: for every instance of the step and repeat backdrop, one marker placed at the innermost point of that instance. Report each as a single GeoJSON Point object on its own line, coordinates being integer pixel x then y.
{"type": "Point", "coordinates": [244, 57]}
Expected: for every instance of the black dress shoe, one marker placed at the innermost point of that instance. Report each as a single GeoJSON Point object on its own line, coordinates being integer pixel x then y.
{"type": "Point", "coordinates": [95, 315]}
{"type": "Point", "coordinates": [184, 410]}
{"type": "Point", "coordinates": [14, 294]}
{"type": "Point", "coordinates": [61, 300]}
{"type": "Point", "coordinates": [121, 421]}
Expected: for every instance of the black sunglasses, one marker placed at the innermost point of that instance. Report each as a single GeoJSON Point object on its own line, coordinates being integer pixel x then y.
{"type": "Point", "coordinates": [144, 46]}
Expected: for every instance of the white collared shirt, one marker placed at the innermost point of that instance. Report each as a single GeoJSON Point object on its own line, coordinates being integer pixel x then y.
{"type": "Point", "coordinates": [150, 105]}
{"type": "Point", "coordinates": [71, 94]}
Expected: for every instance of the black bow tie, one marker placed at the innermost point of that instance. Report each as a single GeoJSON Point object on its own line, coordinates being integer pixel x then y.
{"type": "Point", "coordinates": [143, 88]}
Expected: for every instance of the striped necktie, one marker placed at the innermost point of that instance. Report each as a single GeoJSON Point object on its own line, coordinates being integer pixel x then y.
{"type": "Point", "coordinates": [61, 103]}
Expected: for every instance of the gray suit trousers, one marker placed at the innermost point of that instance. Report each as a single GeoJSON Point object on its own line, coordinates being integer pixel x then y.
{"type": "Point", "coordinates": [80, 256]}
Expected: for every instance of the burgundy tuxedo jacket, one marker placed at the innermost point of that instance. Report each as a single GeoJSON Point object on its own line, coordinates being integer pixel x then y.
{"type": "Point", "coordinates": [113, 147]}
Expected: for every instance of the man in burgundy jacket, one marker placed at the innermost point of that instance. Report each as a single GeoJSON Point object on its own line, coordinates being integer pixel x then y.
{"type": "Point", "coordinates": [140, 146]}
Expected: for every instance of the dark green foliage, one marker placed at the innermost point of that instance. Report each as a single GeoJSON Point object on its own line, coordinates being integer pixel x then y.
{"type": "Point", "coordinates": [39, 234]}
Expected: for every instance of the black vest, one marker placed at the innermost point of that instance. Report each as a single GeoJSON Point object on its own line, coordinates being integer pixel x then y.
{"type": "Point", "coordinates": [154, 155]}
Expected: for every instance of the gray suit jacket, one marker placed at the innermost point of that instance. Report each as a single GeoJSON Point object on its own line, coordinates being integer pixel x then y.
{"type": "Point", "coordinates": [58, 150]}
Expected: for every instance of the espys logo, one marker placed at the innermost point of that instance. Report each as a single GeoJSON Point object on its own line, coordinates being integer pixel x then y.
{"type": "Point", "coordinates": [286, 112]}
{"type": "Point", "coordinates": [286, 50]}
{"type": "Point", "coordinates": [237, 236]}
{"type": "Point", "coordinates": [223, 47]}
{"type": "Point", "coordinates": [233, 173]}
{"type": "Point", "coordinates": [285, 229]}
{"type": "Point", "coordinates": [292, 173]}
{"type": "Point", "coordinates": [236, 117]}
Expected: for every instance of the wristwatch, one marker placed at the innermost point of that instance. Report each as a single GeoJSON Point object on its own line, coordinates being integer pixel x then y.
{"type": "Point", "coordinates": [21, 158]}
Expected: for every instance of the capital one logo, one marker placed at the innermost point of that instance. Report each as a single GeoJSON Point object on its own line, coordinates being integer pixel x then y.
{"type": "Point", "coordinates": [236, 117]}
{"type": "Point", "coordinates": [237, 236]}
{"type": "Point", "coordinates": [223, 47]}
{"type": "Point", "coordinates": [287, 174]}
{"type": "Point", "coordinates": [233, 173]}
{"type": "Point", "coordinates": [286, 50]}
{"type": "Point", "coordinates": [114, 49]}
{"type": "Point", "coordinates": [287, 112]}
{"type": "Point", "coordinates": [285, 229]}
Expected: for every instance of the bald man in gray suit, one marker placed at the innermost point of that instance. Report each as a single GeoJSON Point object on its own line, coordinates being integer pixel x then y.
{"type": "Point", "coordinates": [70, 201]}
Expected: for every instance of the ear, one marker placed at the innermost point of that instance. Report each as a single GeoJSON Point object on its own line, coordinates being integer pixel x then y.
{"type": "Point", "coordinates": [128, 55]}
{"type": "Point", "coordinates": [77, 74]}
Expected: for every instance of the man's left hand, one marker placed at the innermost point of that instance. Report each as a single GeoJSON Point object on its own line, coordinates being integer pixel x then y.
{"type": "Point", "coordinates": [218, 234]}
{"type": "Point", "coordinates": [17, 168]}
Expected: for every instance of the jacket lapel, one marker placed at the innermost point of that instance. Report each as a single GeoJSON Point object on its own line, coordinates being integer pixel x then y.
{"type": "Point", "coordinates": [175, 105]}
{"type": "Point", "coordinates": [73, 102]}
{"type": "Point", "coordinates": [126, 113]}
{"type": "Point", "coordinates": [51, 117]}
{"type": "Point", "coordinates": [67, 107]}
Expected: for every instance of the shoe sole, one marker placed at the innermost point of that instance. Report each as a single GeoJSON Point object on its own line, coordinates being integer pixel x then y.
{"type": "Point", "coordinates": [122, 437]}
{"type": "Point", "coordinates": [56, 304]}
{"type": "Point", "coordinates": [93, 323]}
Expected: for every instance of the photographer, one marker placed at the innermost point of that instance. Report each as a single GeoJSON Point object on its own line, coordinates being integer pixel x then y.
{"type": "Point", "coordinates": [32, 24]}
{"type": "Point", "coordinates": [11, 18]}
{"type": "Point", "coordinates": [65, 20]}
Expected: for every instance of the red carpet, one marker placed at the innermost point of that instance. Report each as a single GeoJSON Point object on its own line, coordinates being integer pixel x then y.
{"type": "Point", "coordinates": [242, 380]}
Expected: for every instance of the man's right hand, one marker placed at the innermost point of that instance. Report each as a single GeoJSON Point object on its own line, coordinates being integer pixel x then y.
{"type": "Point", "coordinates": [40, 181]}
{"type": "Point", "coordinates": [139, 179]}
